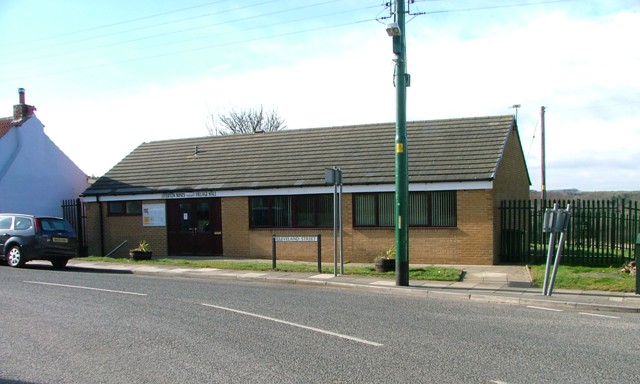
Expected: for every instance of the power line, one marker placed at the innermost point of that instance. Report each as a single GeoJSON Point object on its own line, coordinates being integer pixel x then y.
{"type": "Point", "coordinates": [158, 25]}
{"type": "Point", "coordinates": [535, 129]}
{"type": "Point", "coordinates": [21, 43]}
{"type": "Point", "coordinates": [633, 102]}
{"type": "Point", "coordinates": [196, 49]}
{"type": "Point", "coordinates": [491, 6]}
{"type": "Point", "coordinates": [99, 47]}
{"type": "Point", "coordinates": [40, 58]}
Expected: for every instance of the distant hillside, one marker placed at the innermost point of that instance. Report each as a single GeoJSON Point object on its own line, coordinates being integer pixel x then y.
{"type": "Point", "coordinates": [574, 194]}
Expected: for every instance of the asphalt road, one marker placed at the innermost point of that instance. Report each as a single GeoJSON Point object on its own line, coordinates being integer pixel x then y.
{"type": "Point", "coordinates": [82, 326]}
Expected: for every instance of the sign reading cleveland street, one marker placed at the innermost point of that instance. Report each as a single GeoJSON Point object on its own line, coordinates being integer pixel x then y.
{"type": "Point", "coordinates": [283, 239]}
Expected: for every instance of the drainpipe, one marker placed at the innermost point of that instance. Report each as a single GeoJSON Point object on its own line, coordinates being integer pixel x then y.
{"type": "Point", "coordinates": [101, 226]}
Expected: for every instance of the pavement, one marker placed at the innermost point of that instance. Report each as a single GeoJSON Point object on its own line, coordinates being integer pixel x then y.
{"type": "Point", "coordinates": [507, 284]}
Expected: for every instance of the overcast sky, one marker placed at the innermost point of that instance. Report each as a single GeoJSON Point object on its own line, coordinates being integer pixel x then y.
{"type": "Point", "coordinates": [106, 76]}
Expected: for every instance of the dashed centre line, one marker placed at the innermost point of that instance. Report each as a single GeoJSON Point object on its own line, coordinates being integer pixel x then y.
{"type": "Point", "coordinates": [347, 337]}
{"type": "Point", "coordinates": [545, 309]}
{"type": "Point", "coordinates": [599, 315]}
{"type": "Point", "coordinates": [87, 288]}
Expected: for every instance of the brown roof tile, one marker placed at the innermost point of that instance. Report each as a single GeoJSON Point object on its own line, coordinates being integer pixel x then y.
{"type": "Point", "coordinates": [5, 125]}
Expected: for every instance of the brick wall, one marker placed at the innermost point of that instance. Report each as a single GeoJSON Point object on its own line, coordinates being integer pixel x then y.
{"type": "Point", "coordinates": [512, 182]}
{"type": "Point", "coordinates": [235, 226]}
{"type": "Point", "coordinates": [260, 240]}
{"type": "Point", "coordinates": [120, 228]}
{"type": "Point", "coordinates": [93, 229]}
{"type": "Point", "coordinates": [469, 243]}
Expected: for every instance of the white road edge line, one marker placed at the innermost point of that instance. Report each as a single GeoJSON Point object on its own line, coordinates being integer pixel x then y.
{"type": "Point", "coordinates": [599, 315]}
{"type": "Point", "coordinates": [545, 309]}
{"type": "Point", "coordinates": [87, 288]}
{"type": "Point", "coordinates": [373, 343]}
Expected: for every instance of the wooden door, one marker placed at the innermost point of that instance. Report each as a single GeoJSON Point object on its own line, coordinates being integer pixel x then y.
{"type": "Point", "coordinates": [195, 227]}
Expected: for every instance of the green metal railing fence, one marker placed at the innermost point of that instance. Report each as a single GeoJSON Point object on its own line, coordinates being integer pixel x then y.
{"type": "Point", "coordinates": [601, 232]}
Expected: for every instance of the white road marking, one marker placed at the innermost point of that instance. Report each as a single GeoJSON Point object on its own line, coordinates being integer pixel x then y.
{"type": "Point", "coordinates": [251, 274]}
{"type": "Point", "coordinates": [322, 276]}
{"type": "Point", "coordinates": [599, 315]}
{"type": "Point", "coordinates": [383, 282]}
{"type": "Point", "coordinates": [498, 382]}
{"type": "Point", "coordinates": [296, 325]}
{"type": "Point", "coordinates": [545, 309]}
{"type": "Point", "coordinates": [87, 288]}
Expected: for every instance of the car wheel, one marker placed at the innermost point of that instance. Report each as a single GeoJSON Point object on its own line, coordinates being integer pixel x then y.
{"type": "Point", "coordinates": [59, 263]}
{"type": "Point", "coordinates": [14, 257]}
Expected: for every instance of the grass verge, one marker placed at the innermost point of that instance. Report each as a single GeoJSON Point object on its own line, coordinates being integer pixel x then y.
{"type": "Point", "coordinates": [587, 278]}
{"type": "Point", "coordinates": [416, 273]}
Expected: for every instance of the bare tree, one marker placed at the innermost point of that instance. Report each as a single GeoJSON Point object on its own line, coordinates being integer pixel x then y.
{"type": "Point", "coordinates": [244, 121]}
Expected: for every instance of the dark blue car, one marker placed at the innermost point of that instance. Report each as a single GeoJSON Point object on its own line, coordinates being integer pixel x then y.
{"type": "Point", "coordinates": [27, 237]}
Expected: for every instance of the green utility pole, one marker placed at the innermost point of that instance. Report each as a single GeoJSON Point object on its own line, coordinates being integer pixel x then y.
{"type": "Point", "coordinates": [398, 33]}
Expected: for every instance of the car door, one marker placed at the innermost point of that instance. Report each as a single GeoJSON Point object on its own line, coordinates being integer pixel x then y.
{"type": "Point", "coordinates": [5, 230]}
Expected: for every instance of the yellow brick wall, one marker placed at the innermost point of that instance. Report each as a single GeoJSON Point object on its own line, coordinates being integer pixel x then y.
{"type": "Point", "coordinates": [512, 182]}
{"type": "Point", "coordinates": [260, 240]}
{"type": "Point", "coordinates": [235, 226]}
{"type": "Point", "coordinates": [120, 228]}
{"type": "Point", "coordinates": [512, 178]}
{"type": "Point", "coordinates": [93, 229]}
{"type": "Point", "coordinates": [469, 243]}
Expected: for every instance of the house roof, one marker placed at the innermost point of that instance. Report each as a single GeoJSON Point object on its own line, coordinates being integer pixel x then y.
{"type": "Point", "coordinates": [6, 123]}
{"type": "Point", "coordinates": [454, 150]}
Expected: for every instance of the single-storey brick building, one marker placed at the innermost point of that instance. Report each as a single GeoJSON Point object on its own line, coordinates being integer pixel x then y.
{"type": "Point", "coordinates": [228, 195]}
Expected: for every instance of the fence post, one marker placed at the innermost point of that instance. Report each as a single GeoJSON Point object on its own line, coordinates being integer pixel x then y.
{"type": "Point", "coordinates": [637, 259]}
{"type": "Point", "coordinates": [273, 252]}
{"type": "Point", "coordinates": [319, 253]}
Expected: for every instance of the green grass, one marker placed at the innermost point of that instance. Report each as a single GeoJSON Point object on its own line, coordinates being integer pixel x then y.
{"type": "Point", "coordinates": [587, 278]}
{"type": "Point", "coordinates": [416, 273]}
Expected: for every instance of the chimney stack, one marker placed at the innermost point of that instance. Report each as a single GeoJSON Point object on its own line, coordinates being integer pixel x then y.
{"type": "Point", "coordinates": [22, 111]}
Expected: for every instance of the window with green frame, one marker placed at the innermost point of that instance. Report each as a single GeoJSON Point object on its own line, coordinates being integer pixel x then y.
{"type": "Point", "coordinates": [426, 209]}
{"type": "Point", "coordinates": [125, 208]}
{"type": "Point", "coordinates": [297, 211]}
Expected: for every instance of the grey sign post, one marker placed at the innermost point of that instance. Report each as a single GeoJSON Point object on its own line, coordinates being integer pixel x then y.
{"type": "Point", "coordinates": [555, 221]}
{"type": "Point", "coordinates": [333, 176]}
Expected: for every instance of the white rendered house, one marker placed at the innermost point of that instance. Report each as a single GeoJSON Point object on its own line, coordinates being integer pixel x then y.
{"type": "Point", "coordinates": [35, 175]}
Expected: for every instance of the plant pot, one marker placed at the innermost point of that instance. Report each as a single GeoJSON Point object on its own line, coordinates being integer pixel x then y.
{"type": "Point", "coordinates": [140, 255]}
{"type": "Point", "coordinates": [385, 265]}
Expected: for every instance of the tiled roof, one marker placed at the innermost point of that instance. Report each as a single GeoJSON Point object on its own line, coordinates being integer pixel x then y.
{"type": "Point", "coordinates": [455, 150]}
{"type": "Point", "coordinates": [6, 123]}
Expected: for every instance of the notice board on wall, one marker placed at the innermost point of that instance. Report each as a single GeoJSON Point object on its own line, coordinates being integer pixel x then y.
{"type": "Point", "coordinates": [154, 215]}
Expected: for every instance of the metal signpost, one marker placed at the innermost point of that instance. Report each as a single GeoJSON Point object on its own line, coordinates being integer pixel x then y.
{"type": "Point", "coordinates": [333, 176]}
{"type": "Point", "coordinates": [288, 239]}
{"type": "Point", "coordinates": [555, 220]}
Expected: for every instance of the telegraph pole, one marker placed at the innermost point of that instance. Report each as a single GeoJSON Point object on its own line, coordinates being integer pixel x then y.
{"type": "Point", "coordinates": [397, 32]}
{"type": "Point", "coordinates": [544, 171]}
